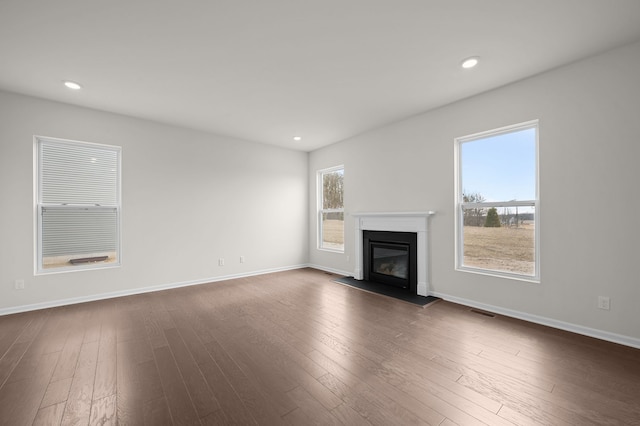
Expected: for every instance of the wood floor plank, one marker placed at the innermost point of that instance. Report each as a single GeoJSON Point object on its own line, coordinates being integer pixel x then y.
{"type": "Point", "coordinates": [455, 391]}
{"type": "Point", "coordinates": [538, 405]}
{"type": "Point", "coordinates": [150, 385]}
{"type": "Point", "coordinates": [153, 321]}
{"type": "Point", "coordinates": [626, 405]}
{"type": "Point", "coordinates": [56, 392]}
{"type": "Point", "coordinates": [78, 407]}
{"type": "Point", "coordinates": [461, 363]}
{"type": "Point", "coordinates": [103, 412]}
{"type": "Point", "coordinates": [348, 416]}
{"type": "Point", "coordinates": [255, 401]}
{"type": "Point", "coordinates": [93, 323]}
{"type": "Point", "coordinates": [230, 407]}
{"type": "Point", "coordinates": [201, 395]}
{"type": "Point", "coordinates": [264, 380]}
{"type": "Point", "coordinates": [310, 410]}
{"type": "Point", "coordinates": [16, 364]}
{"type": "Point", "coordinates": [20, 400]}
{"type": "Point", "coordinates": [156, 413]}
{"type": "Point", "coordinates": [230, 403]}
{"type": "Point", "coordinates": [253, 351]}
{"type": "Point", "coordinates": [296, 348]}
{"type": "Point", "coordinates": [217, 418]}
{"type": "Point", "coordinates": [379, 405]}
{"type": "Point", "coordinates": [11, 359]}
{"type": "Point", "coordinates": [379, 378]}
{"type": "Point", "coordinates": [129, 400]}
{"type": "Point", "coordinates": [12, 327]}
{"type": "Point", "coordinates": [460, 410]}
{"type": "Point", "coordinates": [524, 418]}
{"type": "Point", "coordinates": [49, 415]}
{"type": "Point", "coordinates": [33, 328]}
{"type": "Point", "coordinates": [52, 335]}
{"type": "Point", "coordinates": [70, 353]}
{"type": "Point", "coordinates": [105, 381]}
{"type": "Point", "coordinates": [318, 391]}
{"type": "Point", "coordinates": [180, 405]}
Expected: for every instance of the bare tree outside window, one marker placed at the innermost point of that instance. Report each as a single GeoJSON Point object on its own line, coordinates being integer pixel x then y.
{"type": "Point", "coordinates": [333, 190]}
{"type": "Point", "coordinates": [474, 216]}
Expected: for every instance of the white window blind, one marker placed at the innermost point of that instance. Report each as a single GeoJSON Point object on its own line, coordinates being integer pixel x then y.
{"type": "Point", "coordinates": [77, 174]}
{"type": "Point", "coordinates": [78, 204]}
{"type": "Point", "coordinates": [78, 231]}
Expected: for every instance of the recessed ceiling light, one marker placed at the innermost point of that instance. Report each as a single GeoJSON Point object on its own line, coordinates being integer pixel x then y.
{"type": "Point", "coordinates": [297, 138]}
{"type": "Point", "coordinates": [470, 62]}
{"type": "Point", "coordinates": [72, 85]}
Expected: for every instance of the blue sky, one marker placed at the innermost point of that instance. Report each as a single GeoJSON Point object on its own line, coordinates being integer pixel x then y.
{"type": "Point", "coordinates": [501, 167]}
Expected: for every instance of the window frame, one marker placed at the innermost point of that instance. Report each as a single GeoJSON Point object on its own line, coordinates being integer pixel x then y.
{"type": "Point", "coordinates": [460, 204]}
{"type": "Point", "coordinates": [321, 211]}
{"type": "Point", "coordinates": [39, 206]}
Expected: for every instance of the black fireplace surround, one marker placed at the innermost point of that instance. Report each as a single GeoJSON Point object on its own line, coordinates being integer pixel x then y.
{"type": "Point", "coordinates": [391, 258]}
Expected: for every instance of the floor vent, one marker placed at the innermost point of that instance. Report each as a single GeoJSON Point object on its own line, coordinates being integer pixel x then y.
{"type": "Point", "coordinates": [486, 314]}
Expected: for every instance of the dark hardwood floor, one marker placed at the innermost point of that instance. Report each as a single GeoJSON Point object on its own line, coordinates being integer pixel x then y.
{"type": "Point", "coordinates": [296, 348]}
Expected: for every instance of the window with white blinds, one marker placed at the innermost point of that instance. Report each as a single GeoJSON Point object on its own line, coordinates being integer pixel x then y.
{"type": "Point", "coordinates": [78, 205]}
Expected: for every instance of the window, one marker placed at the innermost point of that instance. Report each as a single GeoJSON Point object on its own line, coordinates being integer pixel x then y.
{"type": "Point", "coordinates": [78, 205]}
{"type": "Point", "coordinates": [497, 227]}
{"type": "Point", "coordinates": [331, 212]}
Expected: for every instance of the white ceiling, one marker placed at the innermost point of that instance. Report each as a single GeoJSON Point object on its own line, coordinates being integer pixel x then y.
{"type": "Point", "coordinates": [267, 70]}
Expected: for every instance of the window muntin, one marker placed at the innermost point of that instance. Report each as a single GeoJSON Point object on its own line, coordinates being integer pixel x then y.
{"type": "Point", "coordinates": [497, 226]}
{"type": "Point", "coordinates": [331, 211]}
{"type": "Point", "coordinates": [78, 205]}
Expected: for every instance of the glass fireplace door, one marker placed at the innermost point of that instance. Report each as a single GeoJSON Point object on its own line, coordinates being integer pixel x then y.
{"type": "Point", "coordinates": [392, 262]}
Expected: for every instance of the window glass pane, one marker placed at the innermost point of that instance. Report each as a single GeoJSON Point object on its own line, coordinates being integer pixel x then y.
{"type": "Point", "coordinates": [333, 230]}
{"type": "Point", "coordinates": [501, 167]}
{"type": "Point", "coordinates": [333, 190]}
{"type": "Point", "coordinates": [505, 242]}
{"type": "Point", "coordinates": [390, 260]}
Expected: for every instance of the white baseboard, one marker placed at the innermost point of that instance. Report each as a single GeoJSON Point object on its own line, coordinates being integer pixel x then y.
{"type": "Point", "coordinates": [141, 290]}
{"type": "Point", "coordinates": [333, 271]}
{"type": "Point", "coordinates": [561, 325]}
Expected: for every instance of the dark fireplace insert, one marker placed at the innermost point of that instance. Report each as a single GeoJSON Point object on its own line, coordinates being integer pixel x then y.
{"type": "Point", "coordinates": [391, 258]}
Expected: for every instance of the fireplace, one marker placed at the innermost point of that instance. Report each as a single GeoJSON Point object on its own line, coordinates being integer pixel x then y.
{"type": "Point", "coordinates": [391, 258]}
{"type": "Point", "coordinates": [397, 223]}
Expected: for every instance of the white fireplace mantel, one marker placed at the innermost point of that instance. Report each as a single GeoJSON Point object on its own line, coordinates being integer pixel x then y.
{"type": "Point", "coordinates": [396, 222]}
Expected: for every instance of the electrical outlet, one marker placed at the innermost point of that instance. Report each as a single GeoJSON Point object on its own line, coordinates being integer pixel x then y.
{"type": "Point", "coordinates": [221, 262]}
{"type": "Point", "coordinates": [604, 302]}
{"type": "Point", "coordinates": [19, 284]}
{"type": "Point", "coordinates": [241, 259]}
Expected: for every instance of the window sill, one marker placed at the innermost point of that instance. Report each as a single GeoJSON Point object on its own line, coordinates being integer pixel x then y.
{"type": "Point", "coordinates": [77, 268]}
{"type": "Point", "coordinates": [330, 250]}
{"type": "Point", "coordinates": [499, 274]}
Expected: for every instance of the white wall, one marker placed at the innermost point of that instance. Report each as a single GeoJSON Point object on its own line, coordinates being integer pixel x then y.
{"type": "Point", "coordinates": [189, 198]}
{"type": "Point", "coordinates": [589, 116]}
